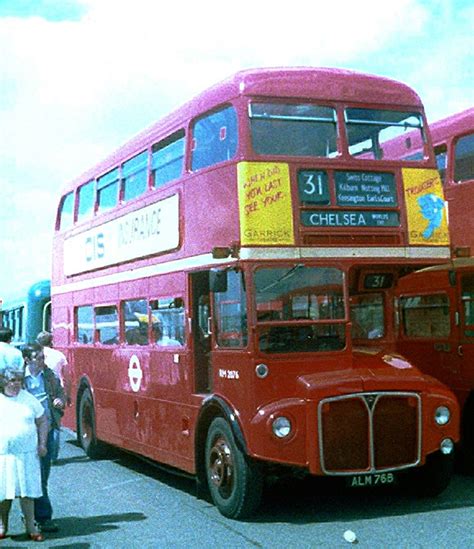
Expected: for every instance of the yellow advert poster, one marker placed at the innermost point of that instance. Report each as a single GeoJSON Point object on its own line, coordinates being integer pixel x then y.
{"type": "Point", "coordinates": [426, 207]}
{"type": "Point", "coordinates": [266, 214]}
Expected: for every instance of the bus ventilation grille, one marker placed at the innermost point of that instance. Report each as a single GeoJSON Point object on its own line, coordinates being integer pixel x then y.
{"type": "Point", "coordinates": [351, 240]}
{"type": "Point", "coordinates": [369, 432]}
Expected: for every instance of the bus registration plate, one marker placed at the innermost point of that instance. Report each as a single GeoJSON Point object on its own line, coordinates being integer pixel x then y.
{"type": "Point", "coordinates": [377, 479]}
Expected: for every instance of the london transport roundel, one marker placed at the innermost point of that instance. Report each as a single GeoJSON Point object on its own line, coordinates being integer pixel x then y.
{"type": "Point", "coordinates": [135, 373]}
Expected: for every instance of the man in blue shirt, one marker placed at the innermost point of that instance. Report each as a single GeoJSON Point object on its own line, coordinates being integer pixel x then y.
{"type": "Point", "coordinates": [42, 383]}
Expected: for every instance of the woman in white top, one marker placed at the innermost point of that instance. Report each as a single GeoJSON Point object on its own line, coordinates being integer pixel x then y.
{"type": "Point", "coordinates": [23, 435]}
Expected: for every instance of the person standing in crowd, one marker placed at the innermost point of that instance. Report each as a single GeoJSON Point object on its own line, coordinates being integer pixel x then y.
{"type": "Point", "coordinates": [43, 383]}
{"type": "Point", "coordinates": [56, 361]}
{"type": "Point", "coordinates": [23, 437]}
{"type": "Point", "coordinates": [10, 356]}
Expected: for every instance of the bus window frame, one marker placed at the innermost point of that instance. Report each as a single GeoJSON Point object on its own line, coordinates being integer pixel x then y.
{"type": "Point", "coordinates": [59, 221]}
{"type": "Point", "coordinates": [80, 218]}
{"type": "Point", "coordinates": [402, 321]}
{"type": "Point", "coordinates": [106, 185]}
{"type": "Point", "coordinates": [163, 143]}
{"type": "Point", "coordinates": [455, 142]}
{"type": "Point", "coordinates": [192, 140]}
{"type": "Point", "coordinates": [125, 175]}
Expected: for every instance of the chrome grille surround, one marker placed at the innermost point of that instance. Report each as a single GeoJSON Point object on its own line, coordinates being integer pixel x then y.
{"type": "Point", "coordinates": [370, 400]}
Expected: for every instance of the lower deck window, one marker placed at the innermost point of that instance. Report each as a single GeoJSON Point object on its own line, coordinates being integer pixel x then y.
{"type": "Point", "coordinates": [85, 324]}
{"type": "Point", "coordinates": [167, 316]}
{"type": "Point", "coordinates": [367, 316]}
{"type": "Point", "coordinates": [107, 325]}
{"type": "Point", "coordinates": [425, 315]}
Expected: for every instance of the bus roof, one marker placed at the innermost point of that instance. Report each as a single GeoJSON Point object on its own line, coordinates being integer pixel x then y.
{"type": "Point", "coordinates": [307, 83]}
{"type": "Point", "coordinates": [454, 125]}
{"type": "Point", "coordinates": [38, 290]}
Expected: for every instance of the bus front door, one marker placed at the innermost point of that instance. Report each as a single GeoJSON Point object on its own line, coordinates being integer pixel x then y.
{"type": "Point", "coordinates": [201, 335]}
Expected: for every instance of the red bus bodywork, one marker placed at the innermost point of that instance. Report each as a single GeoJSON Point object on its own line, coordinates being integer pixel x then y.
{"type": "Point", "coordinates": [453, 140]}
{"type": "Point", "coordinates": [234, 389]}
{"type": "Point", "coordinates": [436, 333]}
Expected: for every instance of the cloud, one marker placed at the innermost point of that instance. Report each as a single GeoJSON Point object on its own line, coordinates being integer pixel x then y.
{"type": "Point", "coordinates": [73, 90]}
{"type": "Point", "coordinates": [125, 64]}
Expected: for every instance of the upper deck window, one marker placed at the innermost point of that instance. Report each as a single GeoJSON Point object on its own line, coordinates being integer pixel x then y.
{"type": "Point", "coordinates": [107, 190]}
{"type": "Point", "coordinates": [383, 134]}
{"type": "Point", "coordinates": [167, 159]}
{"type": "Point", "coordinates": [214, 138]}
{"type": "Point", "coordinates": [464, 158]}
{"type": "Point", "coordinates": [66, 211]}
{"type": "Point", "coordinates": [441, 154]}
{"type": "Point", "coordinates": [86, 199]}
{"type": "Point", "coordinates": [135, 176]}
{"type": "Point", "coordinates": [293, 130]}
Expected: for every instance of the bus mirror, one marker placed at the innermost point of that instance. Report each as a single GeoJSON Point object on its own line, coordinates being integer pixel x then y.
{"type": "Point", "coordinates": [221, 252]}
{"type": "Point", "coordinates": [218, 280]}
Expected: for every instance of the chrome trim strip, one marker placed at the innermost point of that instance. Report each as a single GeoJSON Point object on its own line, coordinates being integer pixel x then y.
{"type": "Point", "coordinates": [396, 252]}
{"type": "Point", "coordinates": [361, 396]}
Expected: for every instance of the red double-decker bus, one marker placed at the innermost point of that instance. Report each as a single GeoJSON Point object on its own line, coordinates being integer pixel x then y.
{"type": "Point", "coordinates": [453, 139]}
{"type": "Point", "coordinates": [435, 304]}
{"type": "Point", "coordinates": [436, 332]}
{"type": "Point", "coordinates": [214, 276]}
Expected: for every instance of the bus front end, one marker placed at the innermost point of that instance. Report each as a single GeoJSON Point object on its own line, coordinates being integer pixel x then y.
{"type": "Point", "coordinates": [302, 399]}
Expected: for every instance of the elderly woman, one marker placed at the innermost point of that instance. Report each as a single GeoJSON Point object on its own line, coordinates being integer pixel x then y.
{"type": "Point", "coordinates": [23, 435]}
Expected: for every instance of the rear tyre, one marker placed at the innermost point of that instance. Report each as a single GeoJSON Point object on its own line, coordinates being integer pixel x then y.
{"type": "Point", "coordinates": [434, 477]}
{"type": "Point", "coordinates": [235, 481]}
{"type": "Point", "coordinates": [86, 434]}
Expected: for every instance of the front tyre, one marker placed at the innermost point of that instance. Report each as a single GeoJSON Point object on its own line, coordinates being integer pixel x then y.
{"type": "Point", "coordinates": [234, 480]}
{"type": "Point", "coordinates": [432, 478]}
{"type": "Point", "coordinates": [86, 434]}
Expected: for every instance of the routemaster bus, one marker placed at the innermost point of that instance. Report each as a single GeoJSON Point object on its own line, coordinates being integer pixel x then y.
{"type": "Point", "coordinates": [435, 305]}
{"type": "Point", "coordinates": [27, 314]}
{"type": "Point", "coordinates": [209, 275]}
{"type": "Point", "coordinates": [436, 311]}
{"type": "Point", "coordinates": [453, 139]}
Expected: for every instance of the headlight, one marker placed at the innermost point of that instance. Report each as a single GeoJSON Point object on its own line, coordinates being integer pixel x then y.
{"type": "Point", "coordinates": [442, 415]}
{"type": "Point", "coordinates": [281, 427]}
{"type": "Point", "coordinates": [447, 446]}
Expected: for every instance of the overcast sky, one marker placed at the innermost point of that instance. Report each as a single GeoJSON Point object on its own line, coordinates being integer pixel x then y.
{"type": "Point", "coordinates": [80, 77]}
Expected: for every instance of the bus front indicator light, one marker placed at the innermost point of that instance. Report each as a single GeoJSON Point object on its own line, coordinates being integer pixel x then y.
{"type": "Point", "coordinates": [446, 446]}
{"type": "Point", "coordinates": [261, 370]}
{"type": "Point", "coordinates": [442, 415]}
{"type": "Point", "coordinates": [281, 427]}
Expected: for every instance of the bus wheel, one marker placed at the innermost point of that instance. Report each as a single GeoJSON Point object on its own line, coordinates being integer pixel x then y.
{"type": "Point", "coordinates": [235, 482]}
{"type": "Point", "coordinates": [86, 426]}
{"type": "Point", "coordinates": [434, 477]}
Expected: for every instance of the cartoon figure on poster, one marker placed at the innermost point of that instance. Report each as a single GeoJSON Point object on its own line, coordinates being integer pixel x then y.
{"type": "Point", "coordinates": [431, 208]}
{"type": "Point", "coordinates": [425, 207]}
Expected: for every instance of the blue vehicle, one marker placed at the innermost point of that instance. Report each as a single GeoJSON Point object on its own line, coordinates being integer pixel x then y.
{"type": "Point", "coordinates": [28, 314]}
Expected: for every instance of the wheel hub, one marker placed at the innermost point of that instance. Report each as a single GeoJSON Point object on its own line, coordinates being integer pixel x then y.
{"type": "Point", "coordinates": [221, 464]}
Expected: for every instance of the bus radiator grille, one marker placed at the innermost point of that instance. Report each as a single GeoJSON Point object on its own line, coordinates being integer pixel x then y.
{"type": "Point", "coordinates": [369, 432]}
